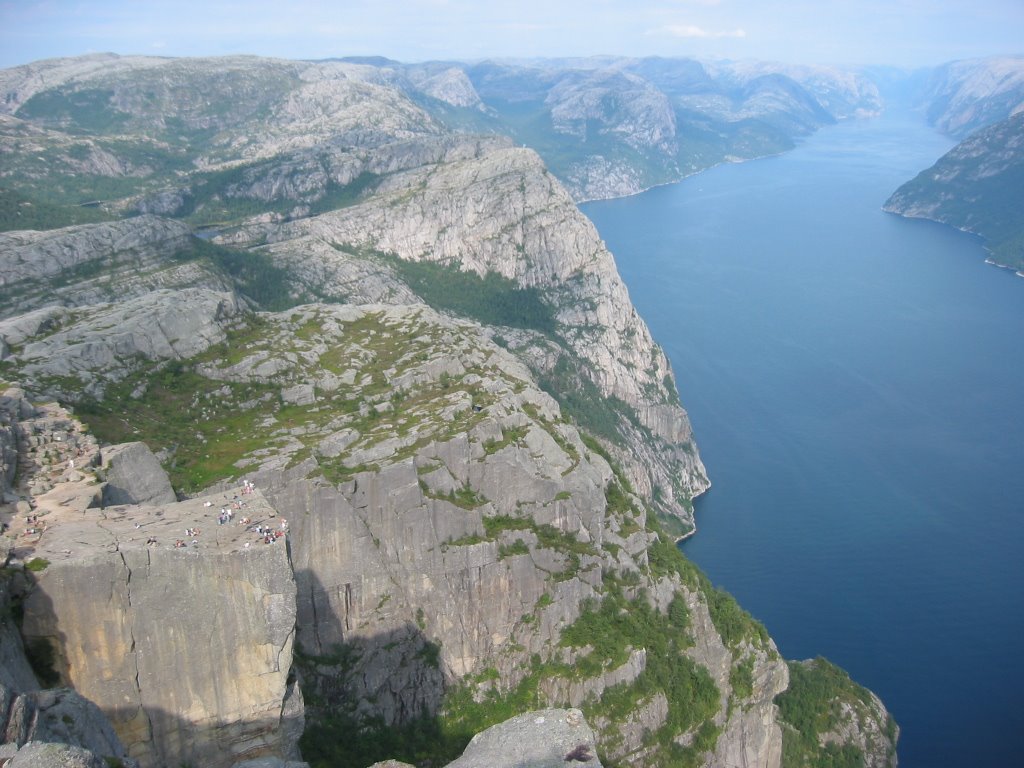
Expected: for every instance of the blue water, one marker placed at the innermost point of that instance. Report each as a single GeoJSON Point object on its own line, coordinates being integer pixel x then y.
{"type": "Point", "coordinates": [854, 382]}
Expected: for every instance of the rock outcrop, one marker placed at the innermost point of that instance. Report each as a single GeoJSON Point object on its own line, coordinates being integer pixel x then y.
{"type": "Point", "coordinates": [134, 476]}
{"type": "Point", "coordinates": [72, 726]}
{"type": "Point", "coordinates": [187, 651]}
{"type": "Point", "coordinates": [498, 211]}
{"type": "Point", "coordinates": [100, 344]}
{"type": "Point", "coordinates": [549, 738]}
{"type": "Point", "coordinates": [174, 626]}
{"type": "Point", "coordinates": [380, 486]}
{"type": "Point", "coordinates": [963, 96]}
{"type": "Point", "coordinates": [94, 263]}
{"type": "Point", "coordinates": [60, 717]}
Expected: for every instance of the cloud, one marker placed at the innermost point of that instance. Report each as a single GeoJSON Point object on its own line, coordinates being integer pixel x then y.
{"type": "Point", "coordinates": [692, 30]}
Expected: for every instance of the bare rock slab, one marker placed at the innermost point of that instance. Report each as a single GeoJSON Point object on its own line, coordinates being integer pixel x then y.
{"type": "Point", "coordinates": [548, 738]}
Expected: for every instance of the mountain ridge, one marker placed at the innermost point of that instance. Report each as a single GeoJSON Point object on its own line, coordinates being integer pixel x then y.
{"type": "Point", "coordinates": [420, 352]}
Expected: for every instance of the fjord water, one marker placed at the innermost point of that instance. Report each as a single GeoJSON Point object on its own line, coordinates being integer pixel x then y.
{"type": "Point", "coordinates": [854, 380]}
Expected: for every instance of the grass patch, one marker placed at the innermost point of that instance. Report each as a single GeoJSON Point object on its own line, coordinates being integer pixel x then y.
{"type": "Point", "coordinates": [253, 273]}
{"type": "Point", "coordinates": [18, 211]}
{"type": "Point", "coordinates": [618, 624]}
{"type": "Point", "coordinates": [581, 400]}
{"type": "Point", "coordinates": [343, 195]}
{"type": "Point", "coordinates": [517, 547]}
{"type": "Point", "coordinates": [188, 413]}
{"type": "Point", "coordinates": [741, 678]}
{"type": "Point", "coordinates": [491, 300]}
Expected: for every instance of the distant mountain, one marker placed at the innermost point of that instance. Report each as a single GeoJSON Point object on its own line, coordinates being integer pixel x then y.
{"type": "Point", "coordinates": [963, 96]}
{"type": "Point", "coordinates": [978, 186]}
{"type": "Point", "coordinates": [610, 126]}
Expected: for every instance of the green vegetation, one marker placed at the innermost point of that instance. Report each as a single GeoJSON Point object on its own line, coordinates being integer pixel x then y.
{"type": "Point", "coordinates": [612, 627]}
{"type": "Point", "coordinates": [811, 706]}
{"type": "Point", "coordinates": [530, 123]}
{"type": "Point", "coordinates": [206, 448]}
{"type": "Point", "coordinates": [494, 525]}
{"type": "Point", "coordinates": [254, 274]}
{"type": "Point", "coordinates": [214, 197]}
{"type": "Point", "coordinates": [508, 437]}
{"type": "Point", "coordinates": [342, 195]}
{"type": "Point", "coordinates": [37, 564]}
{"type": "Point", "coordinates": [340, 740]}
{"type": "Point", "coordinates": [207, 425]}
{"type": "Point", "coordinates": [466, 497]}
{"type": "Point", "coordinates": [221, 196]}
{"type": "Point", "coordinates": [733, 623]}
{"type": "Point", "coordinates": [492, 299]}
{"type": "Point", "coordinates": [582, 402]}
{"type": "Point", "coordinates": [18, 211]}
{"type": "Point", "coordinates": [86, 110]}
{"type": "Point", "coordinates": [976, 186]}
{"type": "Point", "coordinates": [517, 547]}
{"type": "Point", "coordinates": [741, 678]}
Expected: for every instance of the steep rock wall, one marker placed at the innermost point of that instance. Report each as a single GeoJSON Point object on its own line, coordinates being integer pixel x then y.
{"type": "Point", "coordinates": [186, 648]}
{"type": "Point", "coordinates": [188, 655]}
{"type": "Point", "coordinates": [500, 211]}
{"type": "Point", "coordinates": [94, 263]}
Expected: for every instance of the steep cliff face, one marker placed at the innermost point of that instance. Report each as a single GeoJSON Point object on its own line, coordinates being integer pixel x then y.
{"type": "Point", "coordinates": [827, 718]}
{"type": "Point", "coordinates": [447, 530]}
{"type": "Point", "coordinates": [186, 649]}
{"type": "Point", "coordinates": [472, 204]}
{"type": "Point", "coordinates": [93, 263]}
{"type": "Point", "coordinates": [974, 187]}
{"type": "Point", "coordinates": [963, 96]}
{"type": "Point", "coordinates": [455, 542]}
{"type": "Point", "coordinates": [615, 126]}
{"type": "Point", "coordinates": [976, 184]}
{"type": "Point", "coordinates": [498, 211]}
{"type": "Point", "coordinates": [188, 653]}
{"type": "Point", "coordinates": [469, 504]}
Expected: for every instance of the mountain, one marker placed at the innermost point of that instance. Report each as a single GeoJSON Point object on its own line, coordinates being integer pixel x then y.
{"type": "Point", "coordinates": [401, 351]}
{"type": "Point", "coordinates": [977, 185]}
{"type": "Point", "coordinates": [610, 126]}
{"type": "Point", "coordinates": [963, 96]}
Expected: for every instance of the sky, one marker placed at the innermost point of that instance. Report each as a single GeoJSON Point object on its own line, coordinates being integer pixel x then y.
{"type": "Point", "coordinates": [848, 32]}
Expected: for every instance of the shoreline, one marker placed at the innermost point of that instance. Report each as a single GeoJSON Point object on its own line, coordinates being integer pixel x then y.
{"type": "Point", "coordinates": [684, 177]}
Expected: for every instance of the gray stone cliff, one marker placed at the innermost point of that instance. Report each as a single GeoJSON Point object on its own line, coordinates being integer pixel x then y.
{"type": "Point", "coordinates": [434, 533]}
{"type": "Point", "coordinates": [185, 649]}
{"type": "Point", "coordinates": [498, 211]}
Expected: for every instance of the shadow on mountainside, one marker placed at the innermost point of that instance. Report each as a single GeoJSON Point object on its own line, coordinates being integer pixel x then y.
{"type": "Point", "coordinates": [369, 695]}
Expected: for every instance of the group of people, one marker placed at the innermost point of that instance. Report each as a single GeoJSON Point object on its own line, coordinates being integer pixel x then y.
{"type": "Point", "coordinates": [269, 533]}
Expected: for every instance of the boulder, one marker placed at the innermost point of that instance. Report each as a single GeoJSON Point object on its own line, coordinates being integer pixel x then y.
{"type": "Point", "coordinates": [549, 738]}
{"type": "Point", "coordinates": [134, 476]}
{"type": "Point", "coordinates": [45, 755]}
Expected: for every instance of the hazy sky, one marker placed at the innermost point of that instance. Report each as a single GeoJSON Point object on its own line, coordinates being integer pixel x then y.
{"type": "Point", "coordinates": [903, 32]}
